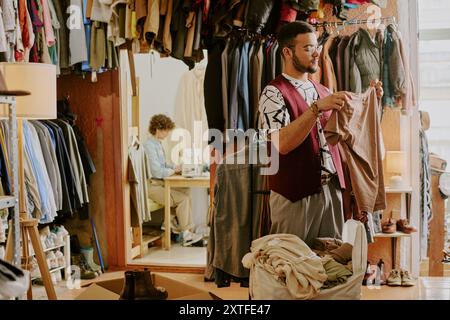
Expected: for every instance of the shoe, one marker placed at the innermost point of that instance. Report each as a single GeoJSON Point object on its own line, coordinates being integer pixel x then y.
{"type": "Point", "coordinates": [85, 271]}
{"type": "Point", "coordinates": [88, 253]}
{"type": "Point", "coordinates": [394, 279]}
{"type": "Point", "coordinates": [128, 287]}
{"type": "Point", "coordinates": [190, 238]}
{"type": "Point", "coordinates": [381, 277]}
{"type": "Point", "coordinates": [407, 280]}
{"type": "Point", "coordinates": [369, 276]}
{"type": "Point", "coordinates": [404, 226]}
{"type": "Point", "coordinates": [144, 289]}
{"type": "Point", "coordinates": [160, 293]}
{"type": "Point", "coordinates": [389, 226]}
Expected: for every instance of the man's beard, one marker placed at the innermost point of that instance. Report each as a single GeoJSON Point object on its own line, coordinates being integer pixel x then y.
{"type": "Point", "coordinates": [302, 68]}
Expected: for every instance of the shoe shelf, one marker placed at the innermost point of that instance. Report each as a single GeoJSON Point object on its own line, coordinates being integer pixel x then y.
{"type": "Point", "coordinates": [67, 263]}
{"type": "Point", "coordinates": [51, 270]}
{"type": "Point", "coordinates": [56, 269]}
{"type": "Point", "coordinates": [54, 248]}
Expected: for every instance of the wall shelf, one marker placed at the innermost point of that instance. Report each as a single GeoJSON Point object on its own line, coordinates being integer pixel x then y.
{"type": "Point", "coordinates": [392, 235]}
{"type": "Point", "coordinates": [399, 190]}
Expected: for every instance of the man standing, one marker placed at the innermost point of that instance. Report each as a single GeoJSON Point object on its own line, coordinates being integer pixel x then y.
{"type": "Point", "coordinates": [306, 197]}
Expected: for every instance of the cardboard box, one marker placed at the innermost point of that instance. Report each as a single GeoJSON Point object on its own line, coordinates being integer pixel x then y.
{"type": "Point", "coordinates": [177, 290]}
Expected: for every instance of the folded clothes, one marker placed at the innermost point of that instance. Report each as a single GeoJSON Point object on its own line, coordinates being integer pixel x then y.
{"type": "Point", "coordinates": [343, 254]}
{"type": "Point", "coordinates": [326, 244]}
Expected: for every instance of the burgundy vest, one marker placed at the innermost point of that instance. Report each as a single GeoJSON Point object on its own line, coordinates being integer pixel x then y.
{"type": "Point", "coordinates": [299, 173]}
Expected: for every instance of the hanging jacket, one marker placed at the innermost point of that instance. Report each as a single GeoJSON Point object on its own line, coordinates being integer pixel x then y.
{"type": "Point", "coordinates": [365, 62]}
{"type": "Point", "coordinates": [258, 13]}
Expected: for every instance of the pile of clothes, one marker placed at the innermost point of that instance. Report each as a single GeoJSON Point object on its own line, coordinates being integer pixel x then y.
{"type": "Point", "coordinates": [283, 261]}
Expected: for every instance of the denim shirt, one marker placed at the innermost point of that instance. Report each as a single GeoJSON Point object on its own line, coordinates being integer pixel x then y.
{"type": "Point", "coordinates": [159, 168]}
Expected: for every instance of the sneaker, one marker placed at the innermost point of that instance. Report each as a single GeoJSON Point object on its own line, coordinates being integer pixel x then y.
{"type": "Point", "coordinates": [190, 238]}
{"type": "Point", "coordinates": [394, 279]}
{"type": "Point", "coordinates": [407, 280]}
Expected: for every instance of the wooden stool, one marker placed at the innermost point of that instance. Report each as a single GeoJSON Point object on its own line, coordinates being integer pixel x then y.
{"type": "Point", "coordinates": [28, 228]}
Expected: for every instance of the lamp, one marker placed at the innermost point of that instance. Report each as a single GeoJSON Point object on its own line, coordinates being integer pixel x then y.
{"type": "Point", "coordinates": [395, 162]}
{"type": "Point", "coordinates": [40, 81]}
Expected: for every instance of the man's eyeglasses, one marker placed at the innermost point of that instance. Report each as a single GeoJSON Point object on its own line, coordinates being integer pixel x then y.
{"type": "Point", "coordinates": [309, 49]}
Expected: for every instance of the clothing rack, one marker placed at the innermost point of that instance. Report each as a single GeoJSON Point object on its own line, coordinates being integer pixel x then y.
{"type": "Point", "coordinates": [354, 22]}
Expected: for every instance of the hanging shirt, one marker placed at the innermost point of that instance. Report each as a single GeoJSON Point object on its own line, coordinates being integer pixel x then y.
{"type": "Point", "coordinates": [190, 108]}
{"type": "Point", "coordinates": [138, 176]}
{"type": "Point", "coordinates": [34, 152]}
{"type": "Point", "coordinates": [276, 115]}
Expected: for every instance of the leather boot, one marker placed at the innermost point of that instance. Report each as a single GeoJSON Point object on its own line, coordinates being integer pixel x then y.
{"type": "Point", "coordinates": [159, 292]}
{"type": "Point", "coordinates": [144, 289]}
{"type": "Point", "coordinates": [128, 287]}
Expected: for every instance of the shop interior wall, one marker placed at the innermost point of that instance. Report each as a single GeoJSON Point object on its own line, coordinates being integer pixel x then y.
{"type": "Point", "coordinates": [98, 108]}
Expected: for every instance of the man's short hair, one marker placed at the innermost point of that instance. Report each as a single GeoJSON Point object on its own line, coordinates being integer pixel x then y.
{"type": "Point", "coordinates": [289, 31]}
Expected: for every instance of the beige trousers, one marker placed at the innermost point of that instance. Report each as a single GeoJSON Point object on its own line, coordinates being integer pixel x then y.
{"type": "Point", "coordinates": [180, 199]}
{"type": "Point", "coordinates": [317, 216]}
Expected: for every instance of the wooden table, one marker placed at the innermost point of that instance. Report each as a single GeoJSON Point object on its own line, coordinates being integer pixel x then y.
{"type": "Point", "coordinates": [178, 182]}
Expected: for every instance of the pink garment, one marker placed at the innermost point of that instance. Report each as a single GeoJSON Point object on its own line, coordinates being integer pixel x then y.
{"type": "Point", "coordinates": [287, 13]}
{"type": "Point", "coordinates": [357, 1]}
{"type": "Point", "coordinates": [48, 28]}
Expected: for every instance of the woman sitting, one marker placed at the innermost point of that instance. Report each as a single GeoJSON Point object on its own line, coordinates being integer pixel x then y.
{"type": "Point", "coordinates": [181, 223]}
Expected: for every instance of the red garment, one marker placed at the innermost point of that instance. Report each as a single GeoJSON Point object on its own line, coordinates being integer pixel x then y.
{"type": "Point", "coordinates": [22, 11]}
{"type": "Point", "coordinates": [299, 173]}
{"type": "Point", "coordinates": [357, 1]}
{"type": "Point", "coordinates": [287, 13]}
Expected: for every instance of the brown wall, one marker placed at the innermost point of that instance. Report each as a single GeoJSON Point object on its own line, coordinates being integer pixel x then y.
{"type": "Point", "coordinates": [98, 108]}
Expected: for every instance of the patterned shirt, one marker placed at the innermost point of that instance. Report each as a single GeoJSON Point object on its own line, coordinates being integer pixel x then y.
{"type": "Point", "coordinates": [274, 115]}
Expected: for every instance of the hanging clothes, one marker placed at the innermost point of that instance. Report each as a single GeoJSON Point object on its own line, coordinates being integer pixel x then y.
{"type": "Point", "coordinates": [190, 113]}
{"type": "Point", "coordinates": [365, 163]}
{"type": "Point", "coordinates": [236, 219]}
{"type": "Point", "coordinates": [425, 196]}
{"type": "Point", "coordinates": [139, 175]}
{"type": "Point", "coordinates": [51, 162]}
{"type": "Point", "coordinates": [71, 200]}
{"type": "Point", "coordinates": [33, 151]}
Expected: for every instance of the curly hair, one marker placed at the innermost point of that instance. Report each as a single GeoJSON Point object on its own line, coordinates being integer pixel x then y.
{"type": "Point", "coordinates": [160, 122]}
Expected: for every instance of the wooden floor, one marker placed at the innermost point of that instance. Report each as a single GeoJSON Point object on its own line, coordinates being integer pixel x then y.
{"type": "Point", "coordinates": [427, 288]}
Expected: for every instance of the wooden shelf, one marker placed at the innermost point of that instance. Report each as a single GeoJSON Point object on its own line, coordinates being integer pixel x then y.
{"type": "Point", "coordinates": [399, 190]}
{"type": "Point", "coordinates": [392, 235]}
{"type": "Point", "coordinates": [7, 202]}
{"type": "Point", "coordinates": [146, 239]}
